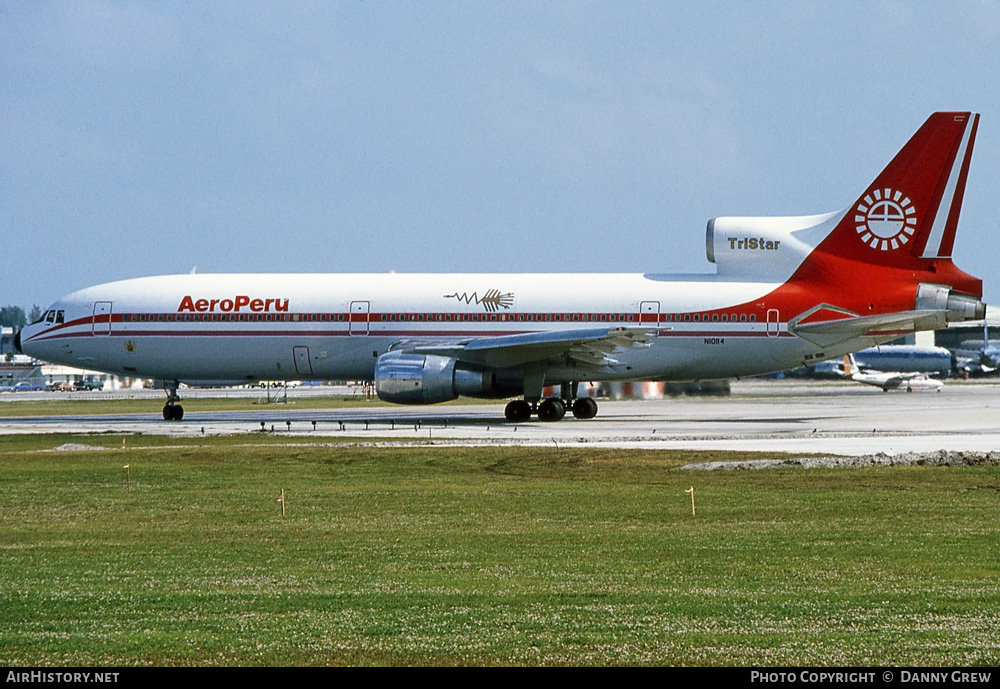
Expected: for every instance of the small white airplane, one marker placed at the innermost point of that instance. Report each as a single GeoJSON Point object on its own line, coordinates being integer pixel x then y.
{"type": "Point", "coordinates": [788, 291]}
{"type": "Point", "coordinates": [889, 380]}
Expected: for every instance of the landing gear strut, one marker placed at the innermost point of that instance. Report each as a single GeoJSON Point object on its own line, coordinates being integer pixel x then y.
{"type": "Point", "coordinates": [171, 410]}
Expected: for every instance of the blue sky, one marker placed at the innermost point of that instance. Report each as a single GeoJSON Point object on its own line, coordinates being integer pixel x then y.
{"type": "Point", "coordinates": [147, 138]}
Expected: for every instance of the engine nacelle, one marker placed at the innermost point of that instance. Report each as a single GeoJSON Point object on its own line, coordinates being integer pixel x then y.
{"type": "Point", "coordinates": [764, 248]}
{"type": "Point", "coordinates": [427, 379]}
{"type": "Point", "coordinates": [955, 307]}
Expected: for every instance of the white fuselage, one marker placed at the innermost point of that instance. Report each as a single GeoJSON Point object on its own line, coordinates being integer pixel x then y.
{"type": "Point", "coordinates": [243, 328]}
{"type": "Point", "coordinates": [894, 380]}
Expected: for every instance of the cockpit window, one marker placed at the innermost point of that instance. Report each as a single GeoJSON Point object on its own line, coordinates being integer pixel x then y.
{"type": "Point", "coordinates": [52, 316]}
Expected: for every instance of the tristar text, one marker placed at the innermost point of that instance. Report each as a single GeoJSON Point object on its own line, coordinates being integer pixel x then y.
{"type": "Point", "coordinates": [754, 243]}
{"type": "Point", "coordinates": [232, 305]}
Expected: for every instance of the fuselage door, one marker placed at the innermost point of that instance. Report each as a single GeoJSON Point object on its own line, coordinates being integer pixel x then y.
{"type": "Point", "coordinates": [102, 318]}
{"type": "Point", "coordinates": [773, 321]}
{"type": "Point", "coordinates": [649, 313]}
{"type": "Point", "coordinates": [303, 364]}
{"type": "Point", "coordinates": [359, 317]}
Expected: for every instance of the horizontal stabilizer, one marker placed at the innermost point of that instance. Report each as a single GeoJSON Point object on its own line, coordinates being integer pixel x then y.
{"type": "Point", "coordinates": [880, 327]}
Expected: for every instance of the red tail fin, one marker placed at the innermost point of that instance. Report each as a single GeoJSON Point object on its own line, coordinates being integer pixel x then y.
{"type": "Point", "coordinates": [907, 217]}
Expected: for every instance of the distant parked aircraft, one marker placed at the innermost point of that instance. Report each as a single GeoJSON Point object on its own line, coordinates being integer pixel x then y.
{"type": "Point", "coordinates": [907, 359]}
{"type": "Point", "coordinates": [889, 380]}
{"type": "Point", "coordinates": [976, 357]}
{"type": "Point", "coordinates": [903, 358]}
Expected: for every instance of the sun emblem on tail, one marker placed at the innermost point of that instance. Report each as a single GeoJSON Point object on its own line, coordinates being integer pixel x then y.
{"type": "Point", "coordinates": [886, 219]}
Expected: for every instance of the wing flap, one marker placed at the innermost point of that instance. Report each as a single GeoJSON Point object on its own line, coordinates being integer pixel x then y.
{"type": "Point", "coordinates": [589, 346]}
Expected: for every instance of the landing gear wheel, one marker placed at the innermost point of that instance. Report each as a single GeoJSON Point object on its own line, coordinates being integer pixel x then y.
{"type": "Point", "coordinates": [173, 412]}
{"type": "Point", "coordinates": [585, 408]}
{"type": "Point", "coordinates": [517, 410]}
{"type": "Point", "coordinates": [551, 409]}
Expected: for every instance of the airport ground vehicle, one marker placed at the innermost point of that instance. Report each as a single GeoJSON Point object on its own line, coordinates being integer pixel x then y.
{"type": "Point", "coordinates": [88, 384]}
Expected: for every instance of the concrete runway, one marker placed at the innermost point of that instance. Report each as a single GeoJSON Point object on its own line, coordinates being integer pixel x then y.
{"type": "Point", "coordinates": [834, 418]}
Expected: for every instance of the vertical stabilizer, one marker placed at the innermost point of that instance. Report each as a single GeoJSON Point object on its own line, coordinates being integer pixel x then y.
{"type": "Point", "coordinates": [900, 231]}
{"type": "Point", "coordinates": [908, 214]}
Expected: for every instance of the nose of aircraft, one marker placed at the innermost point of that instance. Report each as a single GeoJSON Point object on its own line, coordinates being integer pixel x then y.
{"type": "Point", "coordinates": [17, 342]}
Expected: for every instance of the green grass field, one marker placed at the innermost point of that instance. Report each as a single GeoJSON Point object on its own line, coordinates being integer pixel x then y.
{"type": "Point", "coordinates": [471, 556]}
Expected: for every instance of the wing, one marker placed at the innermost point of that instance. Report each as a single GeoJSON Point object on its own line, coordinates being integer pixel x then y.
{"type": "Point", "coordinates": [895, 381]}
{"type": "Point", "coordinates": [591, 347]}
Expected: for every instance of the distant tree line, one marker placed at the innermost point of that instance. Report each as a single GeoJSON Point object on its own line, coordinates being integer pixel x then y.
{"type": "Point", "coordinates": [14, 316]}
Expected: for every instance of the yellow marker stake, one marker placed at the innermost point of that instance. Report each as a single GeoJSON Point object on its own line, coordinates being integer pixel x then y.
{"type": "Point", "coordinates": [691, 491]}
{"type": "Point", "coordinates": [281, 499]}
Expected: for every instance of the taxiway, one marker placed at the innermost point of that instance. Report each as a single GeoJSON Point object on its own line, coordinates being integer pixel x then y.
{"type": "Point", "coordinates": [834, 418]}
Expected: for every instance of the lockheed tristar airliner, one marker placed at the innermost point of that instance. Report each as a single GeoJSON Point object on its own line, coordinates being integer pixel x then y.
{"type": "Point", "coordinates": [787, 291]}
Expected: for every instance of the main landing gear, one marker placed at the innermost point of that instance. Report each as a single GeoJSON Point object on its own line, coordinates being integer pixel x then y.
{"type": "Point", "coordinates": [171, 410]}
{"type": "Point", "coordinates": [552, 408]}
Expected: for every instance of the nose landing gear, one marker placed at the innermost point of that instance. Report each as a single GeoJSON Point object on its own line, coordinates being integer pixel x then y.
{"type": "Point", "coordinates": [171, 410]}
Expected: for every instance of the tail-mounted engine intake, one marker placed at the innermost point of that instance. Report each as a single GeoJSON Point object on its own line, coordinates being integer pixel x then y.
{"type": "Point", "coordinates": [765, 248]}
{"type": "Point", "coordinates": [418, 379]}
